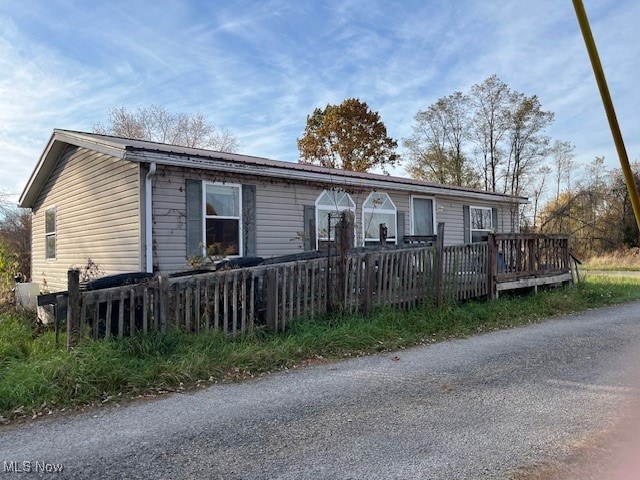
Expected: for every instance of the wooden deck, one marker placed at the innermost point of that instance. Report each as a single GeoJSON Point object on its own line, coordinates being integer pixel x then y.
{"type": "Point", "coordinates": [529, 261]}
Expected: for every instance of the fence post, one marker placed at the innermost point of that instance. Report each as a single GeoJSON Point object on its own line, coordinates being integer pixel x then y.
{"type": "Point", "coordinates": [383, 234]}
{"type": "Point", "coordinates": [533, 253]}
{"type": "Point", "coordinates": [492, 267]}
{"type": "Point", "coordinates": [439, 263]}
{"type": "Point", "coordinates": [271, 289]}
{"type": "Point", "coordinates": [61, 304]}
{"type": "Point", "coordinates": [369, 281]}
{"type": "Point", "coordinates": [566, 256]}
{"type": "Point", "coordinates": [163, 300]}
{"type": "Point", "coordinates": [73, 308]}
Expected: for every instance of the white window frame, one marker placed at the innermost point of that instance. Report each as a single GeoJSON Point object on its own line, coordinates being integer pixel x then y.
{"type": "Point", "coordinates": [374, 210]}
{"type": "Point", "coordinates": [222, 217]}
{"type": "Point", "coordinates": [324, 209]}
{"type": "Point", "coordinates": [433, 214]}
{"type": "Point", "coordinates": [53, 234]}
{"type": "Point", "coordinates": [471, 229]}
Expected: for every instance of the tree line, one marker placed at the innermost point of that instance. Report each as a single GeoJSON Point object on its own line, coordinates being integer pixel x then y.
{"type": "Point", "coordinates": [492, 138]}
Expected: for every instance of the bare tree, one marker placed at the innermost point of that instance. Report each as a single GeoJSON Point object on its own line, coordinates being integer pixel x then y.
{"type": "Point", "coordinates": [490, 101]}
{"type": "Point", "coordinates": [562, 159]}
{"type": "Point", "coordinates": [157, 124]}
{"type": "Point", "coordinates": [437, 146]}
{"type": "Point", "coordinates": [539, 190]}
{"type": "Point", "coordinates": [528, 146]}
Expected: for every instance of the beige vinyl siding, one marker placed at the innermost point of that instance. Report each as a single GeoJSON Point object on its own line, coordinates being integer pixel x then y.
{"type": "Point", "coordinates": [279, 217]}
{"type": "Point", "coordinates": [97, 216]}
{"type": "Point", "coordinates": [450, 211]}
{"type": "Point", "coordinates": [279, 213]}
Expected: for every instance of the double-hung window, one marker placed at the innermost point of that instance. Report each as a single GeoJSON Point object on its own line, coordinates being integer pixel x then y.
{"type": "Point", "coordinates": [378, 209]}
{"type": "Point", "coordinates": [331, 202]}
{"type": "Point", "coordinates": [481, 219]}
{"type": "Point", "coordinates": [50, 221]}
{"type": "Point", "coordinates": [223, 226]}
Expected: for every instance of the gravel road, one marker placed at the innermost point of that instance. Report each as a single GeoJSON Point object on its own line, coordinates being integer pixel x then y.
{"type": "Point", "coordinates": [461, 409]}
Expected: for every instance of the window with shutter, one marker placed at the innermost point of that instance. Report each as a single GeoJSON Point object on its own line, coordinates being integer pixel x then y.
{"type": "Point", "coordinates": [223, 219]}
{"type": "Point", "coordinates": [480, 223]}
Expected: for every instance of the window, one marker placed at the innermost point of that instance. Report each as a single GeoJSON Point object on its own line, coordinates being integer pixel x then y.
{"type": "Point", "coordinates": [330, 202]}
{"type": "Point", "coordinates": [50, 233]}
{"type": "Point", "coordinates": [481, 219]}
{"type": "Point", "coordinates": [422, 217]}
{"type": "Point", "coordinates": [376, 209]}
{"type": "Point", "coordinates": [223, 228]}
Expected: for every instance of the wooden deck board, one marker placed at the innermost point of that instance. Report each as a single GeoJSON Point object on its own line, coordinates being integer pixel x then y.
{"type": "Point", "coordinates": [534, 281]}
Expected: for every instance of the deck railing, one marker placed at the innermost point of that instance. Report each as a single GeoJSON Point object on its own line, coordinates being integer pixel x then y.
{"type": "Point", "coordinates": [521, 255]}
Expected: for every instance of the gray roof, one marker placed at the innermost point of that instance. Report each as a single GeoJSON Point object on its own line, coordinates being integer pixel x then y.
{"type": "Point", "coordinates": [167, 154]}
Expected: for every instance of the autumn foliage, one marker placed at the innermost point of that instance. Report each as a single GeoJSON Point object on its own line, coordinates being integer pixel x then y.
{"type": "Point", "coordinates": [348, 136]}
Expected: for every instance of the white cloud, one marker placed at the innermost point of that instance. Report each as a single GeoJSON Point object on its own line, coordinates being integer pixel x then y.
{"type": "Point", "coordinates": [259, 68]}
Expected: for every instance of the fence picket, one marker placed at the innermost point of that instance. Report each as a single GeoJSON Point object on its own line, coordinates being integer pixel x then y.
{"type": "Point", "coordinates": [225, 303]}
{"type": "Point", "coordinates": [145, 310]}
{"type": "Point", "coordinates": [234, 305]}
{"type": "Point", "coordinates": [196, 304]}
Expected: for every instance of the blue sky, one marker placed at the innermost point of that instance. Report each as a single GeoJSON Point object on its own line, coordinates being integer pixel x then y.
{"type": "Point", "coordinates": [259, 68]}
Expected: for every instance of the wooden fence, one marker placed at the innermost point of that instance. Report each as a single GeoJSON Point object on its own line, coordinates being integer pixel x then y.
{"type": "Point", "coordinates": [271, 296]}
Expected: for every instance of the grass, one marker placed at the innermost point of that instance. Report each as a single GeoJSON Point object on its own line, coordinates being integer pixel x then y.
{"type": "Point", "coordinates": [36, 378]}
{"type": "Point", "coordinates": [626, 259]}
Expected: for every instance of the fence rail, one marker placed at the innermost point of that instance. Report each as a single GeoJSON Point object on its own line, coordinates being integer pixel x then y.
{"type": "Point", "coordinates": [238, 301]}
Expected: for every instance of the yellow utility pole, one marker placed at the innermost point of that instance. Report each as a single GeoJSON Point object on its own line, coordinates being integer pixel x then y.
{"type": "Point", "coordinates": [608, 107]}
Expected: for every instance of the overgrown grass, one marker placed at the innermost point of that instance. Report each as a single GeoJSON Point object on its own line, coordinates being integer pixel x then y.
{"type": "Point", "coordinates": [626, 259]}
{"type": "Point", "coordinates": [36, 378]}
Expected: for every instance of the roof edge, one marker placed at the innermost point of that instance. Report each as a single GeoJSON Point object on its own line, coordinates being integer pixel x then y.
{"type": "Point", "coordinates": [57, 143]}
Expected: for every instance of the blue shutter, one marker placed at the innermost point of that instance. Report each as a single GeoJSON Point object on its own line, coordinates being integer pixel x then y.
{"type": "Point", "coordinates": [494, 219]}
{"type": "Point", "coordinates": [400, 228]}
{"type": "Point", "coordinates": [309, 217]}
{"type": "Point", "coordinates": [466, 221]}
{"type": "Point", "coordinates": [249, 239]}
{"type": "Point", "coordinates": [193, 196]}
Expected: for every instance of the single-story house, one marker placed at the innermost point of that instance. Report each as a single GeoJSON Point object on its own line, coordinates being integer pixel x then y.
{"type": "Point", "coordinates": [132, 205]}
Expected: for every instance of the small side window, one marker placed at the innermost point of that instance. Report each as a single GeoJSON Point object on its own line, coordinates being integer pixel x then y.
{"type": "Point", "coordinates": [50, 222]}
{"type": "Point", "coordinates": [481, 220]}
